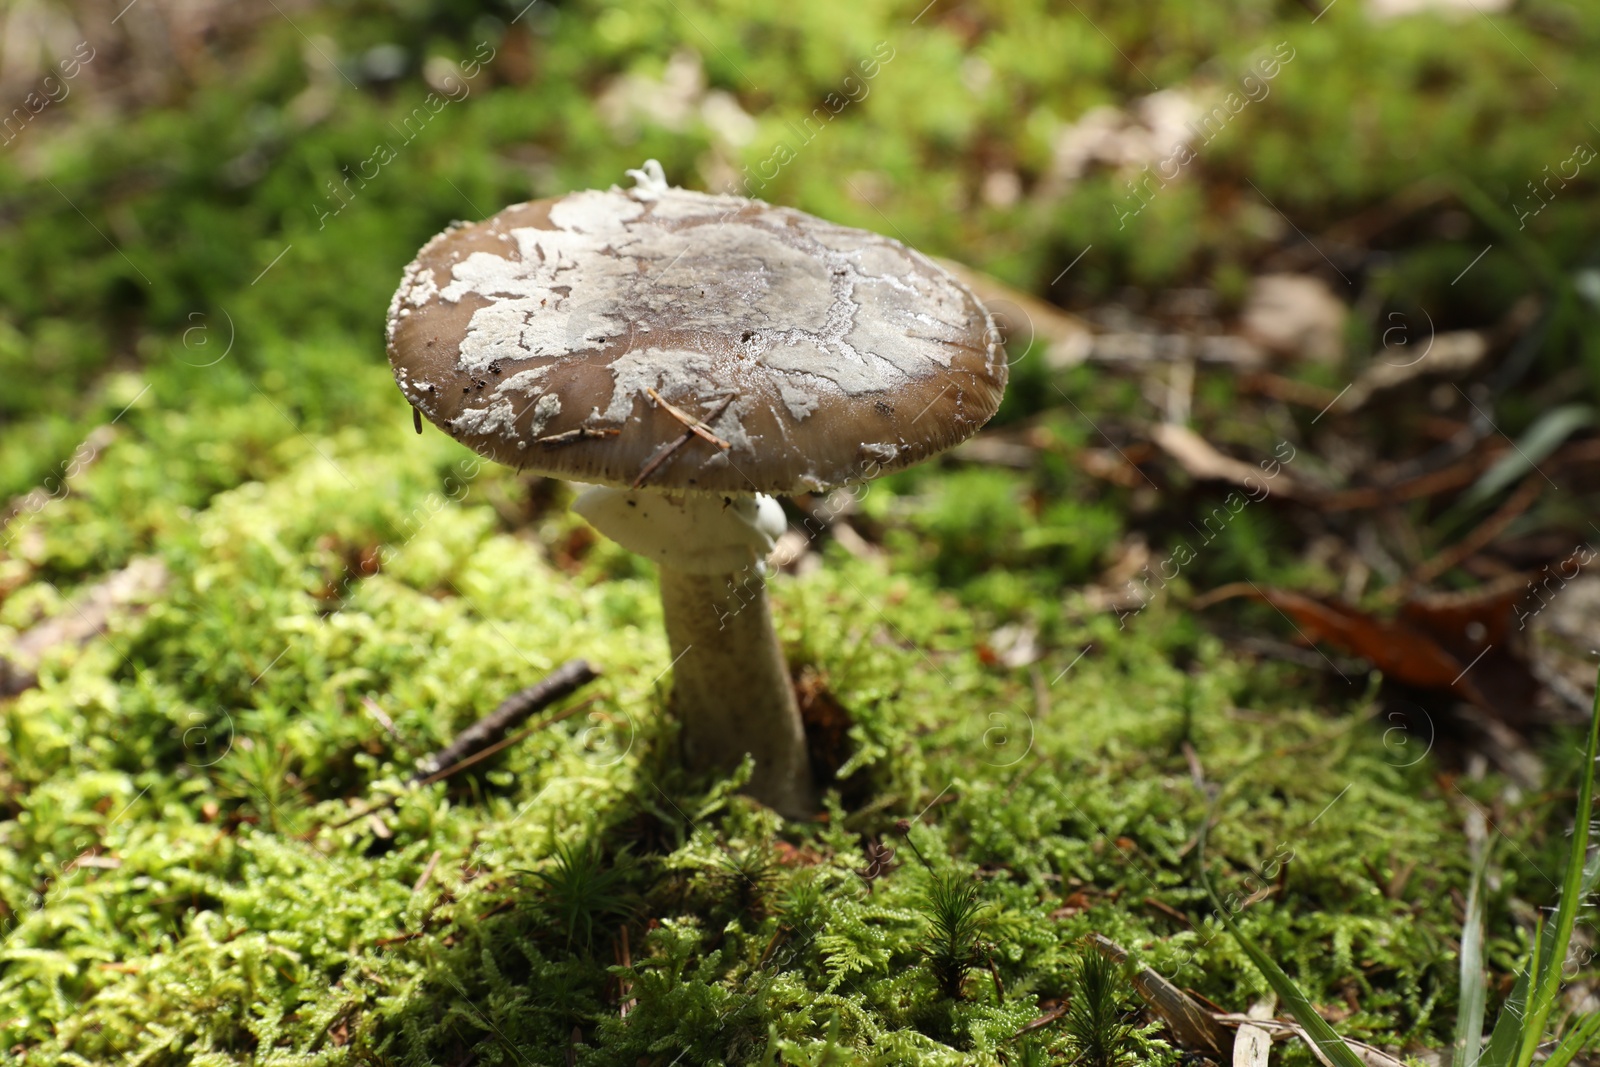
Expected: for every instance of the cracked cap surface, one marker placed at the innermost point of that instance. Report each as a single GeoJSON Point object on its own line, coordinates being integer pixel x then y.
{"type": "Point", "coordinates": [818, 354]}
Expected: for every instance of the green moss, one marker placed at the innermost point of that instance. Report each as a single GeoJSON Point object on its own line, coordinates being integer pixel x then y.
{"type": "Point", "coordinates": [209, 747]}
{"type": "Point", "coordinates": [174, 884]}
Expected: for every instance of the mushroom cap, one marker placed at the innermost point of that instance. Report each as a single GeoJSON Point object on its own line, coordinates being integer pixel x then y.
{"type": "Point", "coordinates": [581, 336]}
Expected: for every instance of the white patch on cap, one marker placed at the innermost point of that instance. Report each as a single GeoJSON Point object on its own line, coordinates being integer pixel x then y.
{"type": "Point", "coordinates": [883, 452]}
{"type": "Point", "coordinates": [682, 204]}
{"type": "Point", "coordinates": [730, 426]}
{"type": "Point", "coordinates": [612, 257]}
{"type": "Point", "coordinates": [808, 362]}
{"type": "Point", "coordinates": [593, 212]}
{"type": "Point", "coordinates": [545, 408]}
{"type": "Point", "coordinates": [799, 402]}
{"type": "Point", "coordinates": [423, 289]}
{"type": "Point", "coordinates": [675, 373]}
{"type": "Point", "coordinates": [499, 417]}
{"type": "Point", "coordinates": [524, 381]}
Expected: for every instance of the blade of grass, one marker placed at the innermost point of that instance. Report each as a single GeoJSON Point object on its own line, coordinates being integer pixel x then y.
{"type": "Point", "coordinates": [1546, 987]}
{"type": "Point", "coordinates": [1316, 1028]}
{"type": "Point", "coordinates": [1507, 1028]}
{"type": "Point", "coordinates": [1511, 1038]}
{"type": "Point", "coordinates": [1469, 1019]}
{"type": "Point", "coordinates": [1495, 217]}
{"type": "Point", "coordinates": [1541, 953]}
{"type": "Point", "coordinates": [1578, 1037]}
{"type": "Point", "coordinates": [1539, 440]}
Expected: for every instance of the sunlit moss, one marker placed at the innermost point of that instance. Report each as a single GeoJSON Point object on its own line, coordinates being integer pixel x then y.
{"type": "Point", "coordinates": [173, 889]}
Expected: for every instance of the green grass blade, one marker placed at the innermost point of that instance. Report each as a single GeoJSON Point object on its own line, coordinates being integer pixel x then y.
{"type": "Point", "coordinates": [1496, 218]}
{"type": "Point", "coordinates": [1546, 987]}
{"type": "Point", "coordinates": [1541, 952]}
{"type": "Point", "coordinates": [1507, 1028]}
{"type": "Point", "coordinates": [1299, 1005]}
{"type": "Point", "coordinates": [1542, 438]}
{"type": "Point", "coordinates": [1575, 1041]}
{"type": "Point", "coordinates": [1511, 1034]}
{"type": "Point", "coordinates": [1474, 987]}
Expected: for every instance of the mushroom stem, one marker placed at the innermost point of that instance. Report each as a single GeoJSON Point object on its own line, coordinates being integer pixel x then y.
{"type": "Point", "coordinates": [730, 685]}
{"type": "Point", "coordinates": [731, 688]}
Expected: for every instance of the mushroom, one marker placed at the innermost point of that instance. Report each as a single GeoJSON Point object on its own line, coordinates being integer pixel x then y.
{"type": "Point", "coordinates": [690, 356]}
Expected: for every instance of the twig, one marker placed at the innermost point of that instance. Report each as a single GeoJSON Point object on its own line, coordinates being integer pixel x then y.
{"type": "Point", "coordinates": [582, 433]}
{"type": "Point", "coordinates": [1462, 471]}
{"type": "Point", "coordinates": [1197, 771]}
{"type": "Point", "coordinates": [376, 711]}
{"type": "Point", "coordinates": [398, 939]}
{"type": "Point", "coordinates": [696, 427]}
{"type": "Point", "coordinates": [457, 768]}
{"type": "Point", "coordinates": [778, 935]}
{"type": "Point", "coordinates": [504, 905]}
{"type": "Point", "coordinates": [1170, 912]}
{"type": "Point", "coordinates": [507, 742]}
{"type": "Point", "coordinates": [659, 458]}
{"type": "Point", "coordinates": [999, 987]}
{"type": "Point", "coordinates": [87, 616]}
{"type": "Point", "coordinates": [427, 872]}
{"type": "Point", "coordinates": [1478, 539]}
{"type": "Point", "coordinates": [676, 443]}
{"type": "Point", "coordinates": [512, 712]}
{"type": "Point", "coordinates": [1044, 1020]}
{"type": "Point", "coordinates": [625, 985]}
{"type": "Point", "coordinates": [514, 709]}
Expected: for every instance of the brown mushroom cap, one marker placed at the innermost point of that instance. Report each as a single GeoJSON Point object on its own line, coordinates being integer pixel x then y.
{"type": "Point", "coordinates": [820, 355]}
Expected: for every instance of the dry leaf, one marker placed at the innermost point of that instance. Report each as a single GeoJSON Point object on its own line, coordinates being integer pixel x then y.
{"type": "Point", "coordinates": [1294, 315]}
{"type": "Point", "coordinates": [1192, 1026]}
{"type": "Point", "coordinates": [1201, 460]}
{"type": "Point", "coordinates": [1251, 1046]}
{"type": "Point", "coordinates": [1459, 643]}
{"type": "Point", "coordinates": [1446, 353]}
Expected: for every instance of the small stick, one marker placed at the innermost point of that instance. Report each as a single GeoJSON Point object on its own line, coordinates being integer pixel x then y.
{"type": "Point", "coordinates": [1197, 771]}
{"type": "Point", "coordinates": [457, 768]}
{"type": "Point", "coordinates": [1492, 527]}
{"type": "Point", "coordinates": [427, 872]}
{"type": "Point", "coordinates": [661, 455]}
{"type": "Point", "coordinates": [778, 936]}
{"type": "Point", "coordinates": [512, 712]}
{"type": "Point", "coordinates": [376, 711]}
{"type": "Point", "coordinates": [659, 458]}
{"type": "Point", "coordinates": [695, 426]}
{"type": "Point", "coordinates": [507, 742]}
{"type": "Point", "coordinates": [624, 985]}
{"type": "Point", "coordinates": [1169, 911]}
{"type": "Point", "coordinates": [568, 437]}
{"type": "Point", "coordinates": [999, 987]}
{"type": "Point", "coordinates": [504, 905]}
{"type": "Point", "coordinates": [398, 938]}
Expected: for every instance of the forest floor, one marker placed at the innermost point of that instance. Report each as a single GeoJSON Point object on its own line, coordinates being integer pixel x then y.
{"type": "Point", "coordinates": [1301, 421]}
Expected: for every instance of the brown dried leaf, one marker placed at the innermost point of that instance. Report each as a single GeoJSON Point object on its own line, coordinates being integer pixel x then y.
{"type": "Point", "coordinates": [1192, 1026]}
{"type": "Point", "coordinates": [1201, 460]}
{"type": "Point", "coordinates": [1458, 643]}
